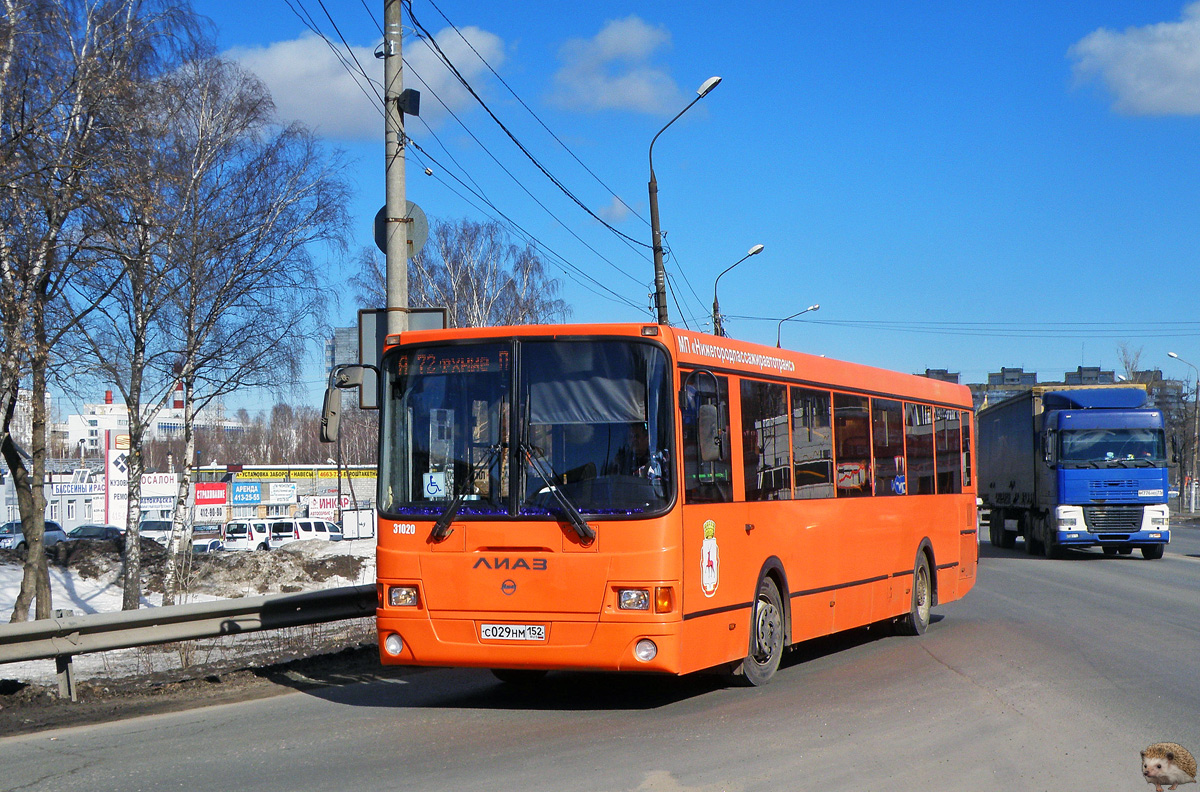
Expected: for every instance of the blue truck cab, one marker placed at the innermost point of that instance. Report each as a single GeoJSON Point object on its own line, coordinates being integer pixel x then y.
{"type": "Point", "coordinates": [1076, 467]}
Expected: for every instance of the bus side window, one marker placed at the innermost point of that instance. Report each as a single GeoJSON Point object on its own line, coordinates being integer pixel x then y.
{"type": "Point", "coordinates": [707, 472]}
{"type": "Point", "coordinates": [766, 447]}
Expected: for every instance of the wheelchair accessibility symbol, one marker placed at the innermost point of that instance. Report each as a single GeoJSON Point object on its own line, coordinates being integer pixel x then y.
{"type": "Point", "coordinates": [435, 485]}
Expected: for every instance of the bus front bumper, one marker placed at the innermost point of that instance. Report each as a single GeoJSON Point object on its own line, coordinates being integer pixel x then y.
{"type": "Point", "coordinates": [534, 641]}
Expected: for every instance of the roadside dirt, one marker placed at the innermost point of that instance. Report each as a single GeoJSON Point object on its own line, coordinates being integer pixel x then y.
{"type": "Point", "coordinates": [35, 708]}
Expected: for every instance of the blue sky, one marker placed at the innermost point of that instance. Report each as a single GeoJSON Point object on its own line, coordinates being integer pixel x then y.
{"type": "Point", "coordinates": [958, 185]}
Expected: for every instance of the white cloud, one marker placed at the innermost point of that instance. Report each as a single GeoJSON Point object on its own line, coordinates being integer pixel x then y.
{"type": "Point", "coordinates": [310, 84]}
{"type": "Point", "coordinates": [614, 212]}
{"type": "Point", "coordinates": [613, 71]}
{"type": "Point", "coordinates": [1151, 70]}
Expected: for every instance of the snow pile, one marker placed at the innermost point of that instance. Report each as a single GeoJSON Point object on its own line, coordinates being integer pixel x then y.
{"type": "Point", "coordinates": [87, 579]}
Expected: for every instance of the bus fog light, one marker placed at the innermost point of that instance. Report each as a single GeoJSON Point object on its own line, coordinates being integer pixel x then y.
{"type": "Point", "coordinates": [402, 596]}
{"type": "Point", "coordinates": [645, 650]}
{"type": "Point", "coordinates": [633, 599]}
{"type": "Point", "coordinates": [393, 645]}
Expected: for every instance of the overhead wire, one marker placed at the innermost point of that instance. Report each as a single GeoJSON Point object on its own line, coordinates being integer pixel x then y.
{"type": "Point", "coordinates": [1048, 330]}
{"type": "Point", "coordinates": [432, 43]}
{"type": "Point", "coordinates": [549, 131]}
{"type": "Point", "coordinates": [571, 270]}
{"type": "Point", "coordinates": [568, 268]}
{"type": "Point", "coordinates": [517, 181]}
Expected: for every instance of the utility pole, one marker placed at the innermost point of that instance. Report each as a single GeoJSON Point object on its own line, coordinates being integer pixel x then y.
{"type": "Point", "coordinates": [396, 254]}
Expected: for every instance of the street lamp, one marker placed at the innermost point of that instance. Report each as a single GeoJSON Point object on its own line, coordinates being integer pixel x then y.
{"type": "Point", "coordinates": [717, 329]}
{"type": "Point", "coordinates": [660, 274]}
{"type": "Point", "coordinates": [779, 327]}
{"type": "Point", "coordinates": [1195, 429]}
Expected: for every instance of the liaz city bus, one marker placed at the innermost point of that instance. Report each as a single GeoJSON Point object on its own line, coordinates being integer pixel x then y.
{"type": "Point", "coordinates": [642, 498]}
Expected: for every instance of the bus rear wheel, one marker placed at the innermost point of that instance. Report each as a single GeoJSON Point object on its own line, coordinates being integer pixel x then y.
{"type": "Point", "coordinates": [766, 635]}
{"type": "Point", "coordinates": [917, 620]}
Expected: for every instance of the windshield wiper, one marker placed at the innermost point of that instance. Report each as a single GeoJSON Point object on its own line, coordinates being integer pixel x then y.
{"type": "Point", "coordinates": [585, 532]}
{"type": "Point", "coordinates": [441, 528]}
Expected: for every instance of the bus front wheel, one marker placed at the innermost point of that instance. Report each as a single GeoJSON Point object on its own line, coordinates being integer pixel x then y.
{"type": "Point", "coordinates": [766, 635]}
{"type": "Point", "coordinates": [921, 607]}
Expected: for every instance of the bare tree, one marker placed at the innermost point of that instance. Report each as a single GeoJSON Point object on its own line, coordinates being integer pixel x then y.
{"type": "Point", "coordinates": [477, 273]}
{"type": "Point", "coordinates": [247, 293]}
{"type": "Point", "coordinates": [1131, 360]}
{"type": "Point", "coordinates": [66, 71]}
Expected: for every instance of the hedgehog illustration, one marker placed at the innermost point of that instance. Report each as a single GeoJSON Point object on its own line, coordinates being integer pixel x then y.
{"type": "Point", "coordinates": [1168, 763]}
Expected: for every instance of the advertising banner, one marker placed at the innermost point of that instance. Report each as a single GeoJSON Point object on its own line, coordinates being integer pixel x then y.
{"type": "Point", "coordinates": [246, 493]}
{"type": "Point", "coordinates": [282, 493]}
{"type": "Point", "coordinates": [210, 493]}
{"type": "Point", "coordinates": [325, 507]}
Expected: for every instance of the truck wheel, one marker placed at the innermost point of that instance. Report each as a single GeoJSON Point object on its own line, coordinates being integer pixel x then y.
{"type": "Point", "coordinates": [919, 611]}
{"type": "Point", "coordinates": [1050, 549]}
{"type": "Point", "coordinates": [1153, 552]}
{"type": "Point", "coordinates": [1000, 537]}
{"type": "Point", "coordinates": [766, 635]}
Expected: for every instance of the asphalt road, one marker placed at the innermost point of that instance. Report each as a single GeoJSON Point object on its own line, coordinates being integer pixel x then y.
{"type": "Point", "coordinates": [1050, 675]}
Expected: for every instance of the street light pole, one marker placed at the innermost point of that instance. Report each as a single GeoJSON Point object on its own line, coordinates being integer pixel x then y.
{"type": "Point", "coordinates": [717, 328]}
{"type": "Point", "coordinates": [1195, 429]}
{"type": "Point", "coordinates": [779, 327]}
{"type": "Point", "coordinates": [660, 273]}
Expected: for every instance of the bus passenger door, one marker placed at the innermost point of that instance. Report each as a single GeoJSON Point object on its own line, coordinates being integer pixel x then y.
{"type": "Point", "coordinates": [710, 519]}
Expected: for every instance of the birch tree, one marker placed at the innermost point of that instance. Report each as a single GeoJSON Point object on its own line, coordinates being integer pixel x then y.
{"type": "Point", "coordinates": [475, 271]}
{"type": "Point", "coordinates": [66, 71]}
{"type": "Point", "coordinates": [249, 296]}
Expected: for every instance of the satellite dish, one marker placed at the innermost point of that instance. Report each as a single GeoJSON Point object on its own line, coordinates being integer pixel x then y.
{"type": "Point", "coordinates": [417, 225]}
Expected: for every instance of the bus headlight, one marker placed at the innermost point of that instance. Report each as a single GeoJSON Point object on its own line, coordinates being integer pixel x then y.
{"type": "Point", "coordinates": [403, 596]}
{"type": "Point", "coordinates": [645, 650]}
{"type": "Point", "coordinates": [633, 599]}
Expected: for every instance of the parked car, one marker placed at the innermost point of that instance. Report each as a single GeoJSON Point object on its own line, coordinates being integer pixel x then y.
{"type": "Point", "coordinates": [95, 531]}
{"type": "Point", "coordinates": [12, 537]}
{"type": "Point", "coordinates": [296, 530]}
{"type": "Point", "coordinates": [246, 534]}
{"type": "Point", "coordinates": [207, 545]}
{"type": "Point", "coordinates": [158, 530]}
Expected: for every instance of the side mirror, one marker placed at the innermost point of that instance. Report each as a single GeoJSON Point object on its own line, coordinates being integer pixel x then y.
{"type": "Point", "coordinates": [348, 376]}
{"type": "Point", "coordinates": [331, 414]}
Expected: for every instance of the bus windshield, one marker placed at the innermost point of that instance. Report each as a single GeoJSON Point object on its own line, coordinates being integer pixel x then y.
{"type": "Point", "coordinates": [590, 422]}
{"type": "Point", "coordinates": [1117, 446]}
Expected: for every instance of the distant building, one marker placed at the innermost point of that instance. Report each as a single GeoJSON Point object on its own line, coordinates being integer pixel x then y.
{"type": "Point", "coordinates": [1001, 385]}
{"type": "Point", "coordinates": [21, 427]}
{"type": "Point", "coordinates": [942, 374]}
{"type": "Point", "coordinates": [1089, 375]}
{"type": "Point", "coordinates": [341, 348]}
{"type": "Point", "coordinates": [85, 431]}
{"type": "Point", "coordinates": [1166, 394]}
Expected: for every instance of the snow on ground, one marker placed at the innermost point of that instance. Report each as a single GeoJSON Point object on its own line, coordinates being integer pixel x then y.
{"type": "Point", "coordinates": [90, 582]}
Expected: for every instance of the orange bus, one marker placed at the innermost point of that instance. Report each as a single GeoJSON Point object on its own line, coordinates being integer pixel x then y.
{"type": "Point", "coordinates": [642, 498]}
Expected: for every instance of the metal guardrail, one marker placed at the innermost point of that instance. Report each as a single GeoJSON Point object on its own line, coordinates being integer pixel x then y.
{"type": "Point", "coordinates": [67, 635]}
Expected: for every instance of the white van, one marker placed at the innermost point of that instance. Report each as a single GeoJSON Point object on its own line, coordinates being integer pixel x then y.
{"type": "Point", "coordinates": [246, 534]}
{"type": "Point", "coordinates": [295, 530]}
